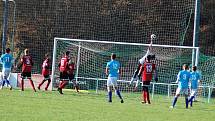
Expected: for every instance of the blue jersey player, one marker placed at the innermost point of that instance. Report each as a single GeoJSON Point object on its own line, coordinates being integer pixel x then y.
{"type": "Point", "coordinates": [7, 61]}
{"type": "Point", "coordinates": [113, 71]}
{"type": "Point", "coordinates": [194, 80]}
{"type": "Point", "coordinates": [183, 82]}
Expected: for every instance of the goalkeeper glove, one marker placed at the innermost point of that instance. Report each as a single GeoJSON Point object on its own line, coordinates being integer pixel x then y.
{"type": "Point", "coordinates": [156, 79]}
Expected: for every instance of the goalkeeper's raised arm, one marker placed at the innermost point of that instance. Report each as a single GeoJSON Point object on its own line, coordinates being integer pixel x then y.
{"type": "Point", "coordinates": [142, 60]}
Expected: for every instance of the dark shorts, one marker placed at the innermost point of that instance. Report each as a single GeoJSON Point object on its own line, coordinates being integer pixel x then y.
{"type": "Point", "coordinates": [46, 77]}
{"type": "Point", "coordinates": [64, 76]}
{"type": "Point", "coordinates": [146, 83]}
{"type": "Point", "coordinates": [71, 77]}
{"type": "Point", "coordinates": [25, 75]}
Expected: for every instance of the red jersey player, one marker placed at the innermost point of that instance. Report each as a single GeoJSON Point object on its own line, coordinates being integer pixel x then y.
{"type": "Point", "coordinates": [71, 68]}
{"type": "Point", "coordinates": [147, 70]}
{"type": "Point", "coordinates": [45, 71]}
{"type": "Point", "coordinates": [63, 67]}
{"type": "Point", "coordinates": [27, 64]}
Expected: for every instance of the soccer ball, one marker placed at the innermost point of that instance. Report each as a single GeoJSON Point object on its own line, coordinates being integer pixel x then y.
{"type": "Point", "coordinates": [153, 36]}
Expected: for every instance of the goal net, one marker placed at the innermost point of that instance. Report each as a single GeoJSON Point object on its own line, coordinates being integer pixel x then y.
{"type": "Point", "coordinates": [91, 57]}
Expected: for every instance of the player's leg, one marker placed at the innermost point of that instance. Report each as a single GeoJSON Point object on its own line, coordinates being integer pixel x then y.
{"type": "Point", "coordinates": [193, 93]}
{"type": "Point", "coordinates": [185, 91]}
{"type": "Point", "coordinates": [32, 84]}
{"type": "Point", "coordinates": [64, 82]}
{"type": "Point", "coordinates": [46, 77]}
{"type": "Point", "coordinates": [23, 76]}
{"type": "Point", "coordinates": [118, 94]}
{"type": "Point", "coordinates": [48, 83]}
{"type": "Point", "coordinates": [28, 74]}
{"type": "Point", "coordinates": [1, 81]}
{"type": "Point", "coordinates": [71, 78]}
{"type": "Point", "coordinates": [147, 83]}
{"type": "Point", "coordinates": [60, 83]}
{"type": "Point", "coordinates": [8, 77]}
{"type": "Point", "coordinates": [114, 82]}
{"type": "Point", "coordinates": [109, 89]}
{"type": "Point", "coordinates": [6, 74]}
{"type": "Point", "coordinates": [143, 94]}
{"type": "Point", "coordinates": [176, 97]}
{"type": "Point", "coordinates": [134, 77]}
{"type": "Point", "coordinates": [41, 83]}
{"type": "Point", "coordinates": [75, 85]}
{"type": "Point", "coordinates": [147, 95]}
{"type": "Point", "coordinates": [59, 89]}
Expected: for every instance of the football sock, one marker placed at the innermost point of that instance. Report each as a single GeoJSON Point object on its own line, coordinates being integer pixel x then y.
{"type": "Point", "coordinates": [42, 83]}
{"type": "Point", "coordinates": [118, 93]}
{"type": "Point", "coordinates": [47, 85]}
{"type": "Point", "coordinates": [63, 84]}
{"type": "Point", "coordinates": [191, 103]}
{"type": "Point", "coordinates": [191, 100]}
{"type": "Point", "coordinates": [147, 95]}
{"type": "Point", "coordinates": [186, 101]}
{"type": "Point", "coordinates": [7, 81]}
{"type": "Point", "coordinates": [144, 96]}
{"type": "Point", "coordinates": [110, 96]}
{"type": "Point", "coordinates": [148, 99]}
{"type": "Point", "coordinates": [22, 84]}
{"type": "Point", "coordinates": [174, 101]}
{"type": "Point", "coordinates": [77, 88]}
{"type": "Point", "coordinates": [3, 83]}
{"type": "Point", "coordinates": [32, 85]}
{"type": "Point", "coordinates": [60, 84]}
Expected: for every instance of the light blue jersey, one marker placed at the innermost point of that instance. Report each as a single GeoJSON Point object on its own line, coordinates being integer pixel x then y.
{"type": "Point", "coordinates": [6, 60]}
{"type": "Point", "coordinates": [183, 79]}
{"type": "Point", "coordinates": [195, 77]}
{"type": "Point", "coordinates": [114, 67]}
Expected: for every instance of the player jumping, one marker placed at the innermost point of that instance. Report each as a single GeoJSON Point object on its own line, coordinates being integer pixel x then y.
{"type": "Point", "coordinates": [45, 72]}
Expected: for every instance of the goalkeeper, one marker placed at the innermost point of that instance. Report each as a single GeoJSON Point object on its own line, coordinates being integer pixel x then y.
{"type": "Point", "coordinates": [135, 76]}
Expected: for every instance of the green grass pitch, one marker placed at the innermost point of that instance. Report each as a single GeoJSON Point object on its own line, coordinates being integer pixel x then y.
{"type": "Point", "coordinates": [51, 106]}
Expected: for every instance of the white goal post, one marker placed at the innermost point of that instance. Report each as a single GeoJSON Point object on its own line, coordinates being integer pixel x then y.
{"type": "Point", "coordinates": [90, 57]}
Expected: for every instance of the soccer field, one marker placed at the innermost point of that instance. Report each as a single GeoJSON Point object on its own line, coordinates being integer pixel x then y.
{"type": "Point", "coordinates": [51, 106]}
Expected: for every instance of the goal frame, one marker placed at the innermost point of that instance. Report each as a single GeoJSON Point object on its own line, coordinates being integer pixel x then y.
{"type": "Point", "coordinates": [56, 39]}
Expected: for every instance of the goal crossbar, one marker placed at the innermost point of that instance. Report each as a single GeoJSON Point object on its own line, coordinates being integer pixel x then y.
{"type": "Point", "coordinates": [125, 43]}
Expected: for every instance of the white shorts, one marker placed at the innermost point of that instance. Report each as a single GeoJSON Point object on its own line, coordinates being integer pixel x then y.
{"type": "Point", "coordinates": [193, 92]}
{"type": "Point", "coordinates": [181, 91]}
{"type": "Point", "coordinates": [112, 81]}
{"type": "Point", "coordinates": [6, 73]}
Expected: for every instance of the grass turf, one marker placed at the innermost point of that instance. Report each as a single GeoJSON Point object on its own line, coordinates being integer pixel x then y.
{"type": "Point", "coordinates": [51, 106]}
